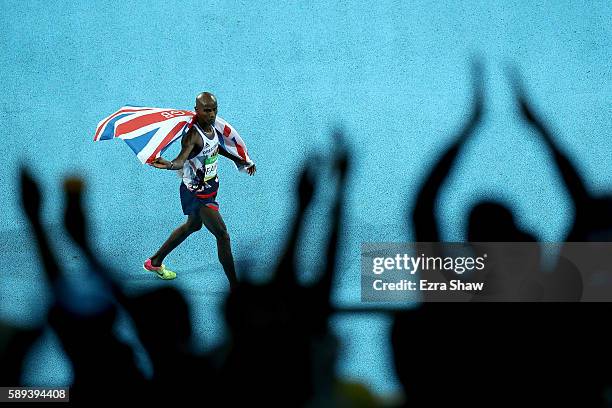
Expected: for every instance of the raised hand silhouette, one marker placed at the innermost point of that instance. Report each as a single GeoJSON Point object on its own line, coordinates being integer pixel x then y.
{"type": "Point", "coordinates": [85, 330]}
{"type": "Point", "coordinates": [279, 330]}
{"type": "Point", "coordinates": [593, 214]}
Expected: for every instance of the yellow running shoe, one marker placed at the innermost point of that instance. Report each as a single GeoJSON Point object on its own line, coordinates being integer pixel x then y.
{"type": "Point", "coordinates": [161, 271]}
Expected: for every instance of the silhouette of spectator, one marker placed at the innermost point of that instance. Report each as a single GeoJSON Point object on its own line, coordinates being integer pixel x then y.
{"type": "Point", "coordinates": [282, 350]}
{"type": "Point", "coordinates": [489, 221]}
{"type": "Point", "coordinates": [592, 223]}
{"type": "Point", "coordinates": [486, 354]}
{"type": "Point", "coordinates": [593, 214]}
{"type": "Point", "coordinates": [493, 222]}
{"type": "Point", "coordinates": [103, 366]}
{"type": "Point", "coordinates": [161, 318]}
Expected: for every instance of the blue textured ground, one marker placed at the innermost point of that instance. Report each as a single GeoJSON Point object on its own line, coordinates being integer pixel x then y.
{"type": "Point", "coordinates": [395, 75]}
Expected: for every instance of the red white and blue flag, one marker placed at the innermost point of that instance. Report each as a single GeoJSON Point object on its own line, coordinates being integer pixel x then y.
{"type": "Point", "coordinates": [150, 131]}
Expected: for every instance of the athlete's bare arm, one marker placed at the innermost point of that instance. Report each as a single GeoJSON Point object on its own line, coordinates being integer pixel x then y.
{"type": "Point", "coordinates": [223, 153]}
{"type": "Point", "coordinates": [188, 142]}
{"type": "Point", "coordinates": [251, 170]}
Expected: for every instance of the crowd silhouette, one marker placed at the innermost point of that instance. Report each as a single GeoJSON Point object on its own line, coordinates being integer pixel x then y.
{"type": "Point", "coordinates": [280, 349]}
{"type": "Point", "coordinates": [519, 354]}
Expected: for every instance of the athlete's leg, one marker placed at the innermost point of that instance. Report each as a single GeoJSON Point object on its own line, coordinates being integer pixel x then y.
{"type": "Point", "coordinates": [193, 224]}
{"type": "Point", "coordinates": [214, 223]}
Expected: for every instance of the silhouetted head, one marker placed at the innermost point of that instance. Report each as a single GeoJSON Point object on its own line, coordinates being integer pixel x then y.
{"type": "Point", "coordinates": [490, 221]}
{"type": "Point", "coordinates": [206, 108]}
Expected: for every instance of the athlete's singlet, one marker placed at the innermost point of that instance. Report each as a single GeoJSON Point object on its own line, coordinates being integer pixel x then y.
{"type": "Point", "coordinates": [203, 167]}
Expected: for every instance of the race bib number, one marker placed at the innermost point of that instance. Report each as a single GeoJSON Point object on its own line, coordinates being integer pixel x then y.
{"type": "Point", "coordinates": [210, 170]}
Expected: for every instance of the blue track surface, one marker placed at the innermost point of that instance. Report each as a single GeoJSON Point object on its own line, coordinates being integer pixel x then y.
{"type": "Point", "coordinates": [394, 75]}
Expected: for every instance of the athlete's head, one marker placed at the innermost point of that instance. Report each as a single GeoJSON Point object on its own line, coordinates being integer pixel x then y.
{"type": "Point", "coordinates": [206, 108]}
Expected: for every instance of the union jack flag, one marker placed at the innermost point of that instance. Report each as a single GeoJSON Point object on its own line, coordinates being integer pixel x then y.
{"type": "Point", "coordinates": [147, 131]}
{"type": "Point", "coordinates": [150, 131]}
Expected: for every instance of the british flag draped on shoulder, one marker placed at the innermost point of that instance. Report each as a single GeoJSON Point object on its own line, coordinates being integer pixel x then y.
{"type": "Point", "coordinates": [150, 131]}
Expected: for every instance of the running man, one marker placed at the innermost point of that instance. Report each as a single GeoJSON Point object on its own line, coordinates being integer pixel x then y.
{"type": "Point", "coordinates": [200, 148]}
